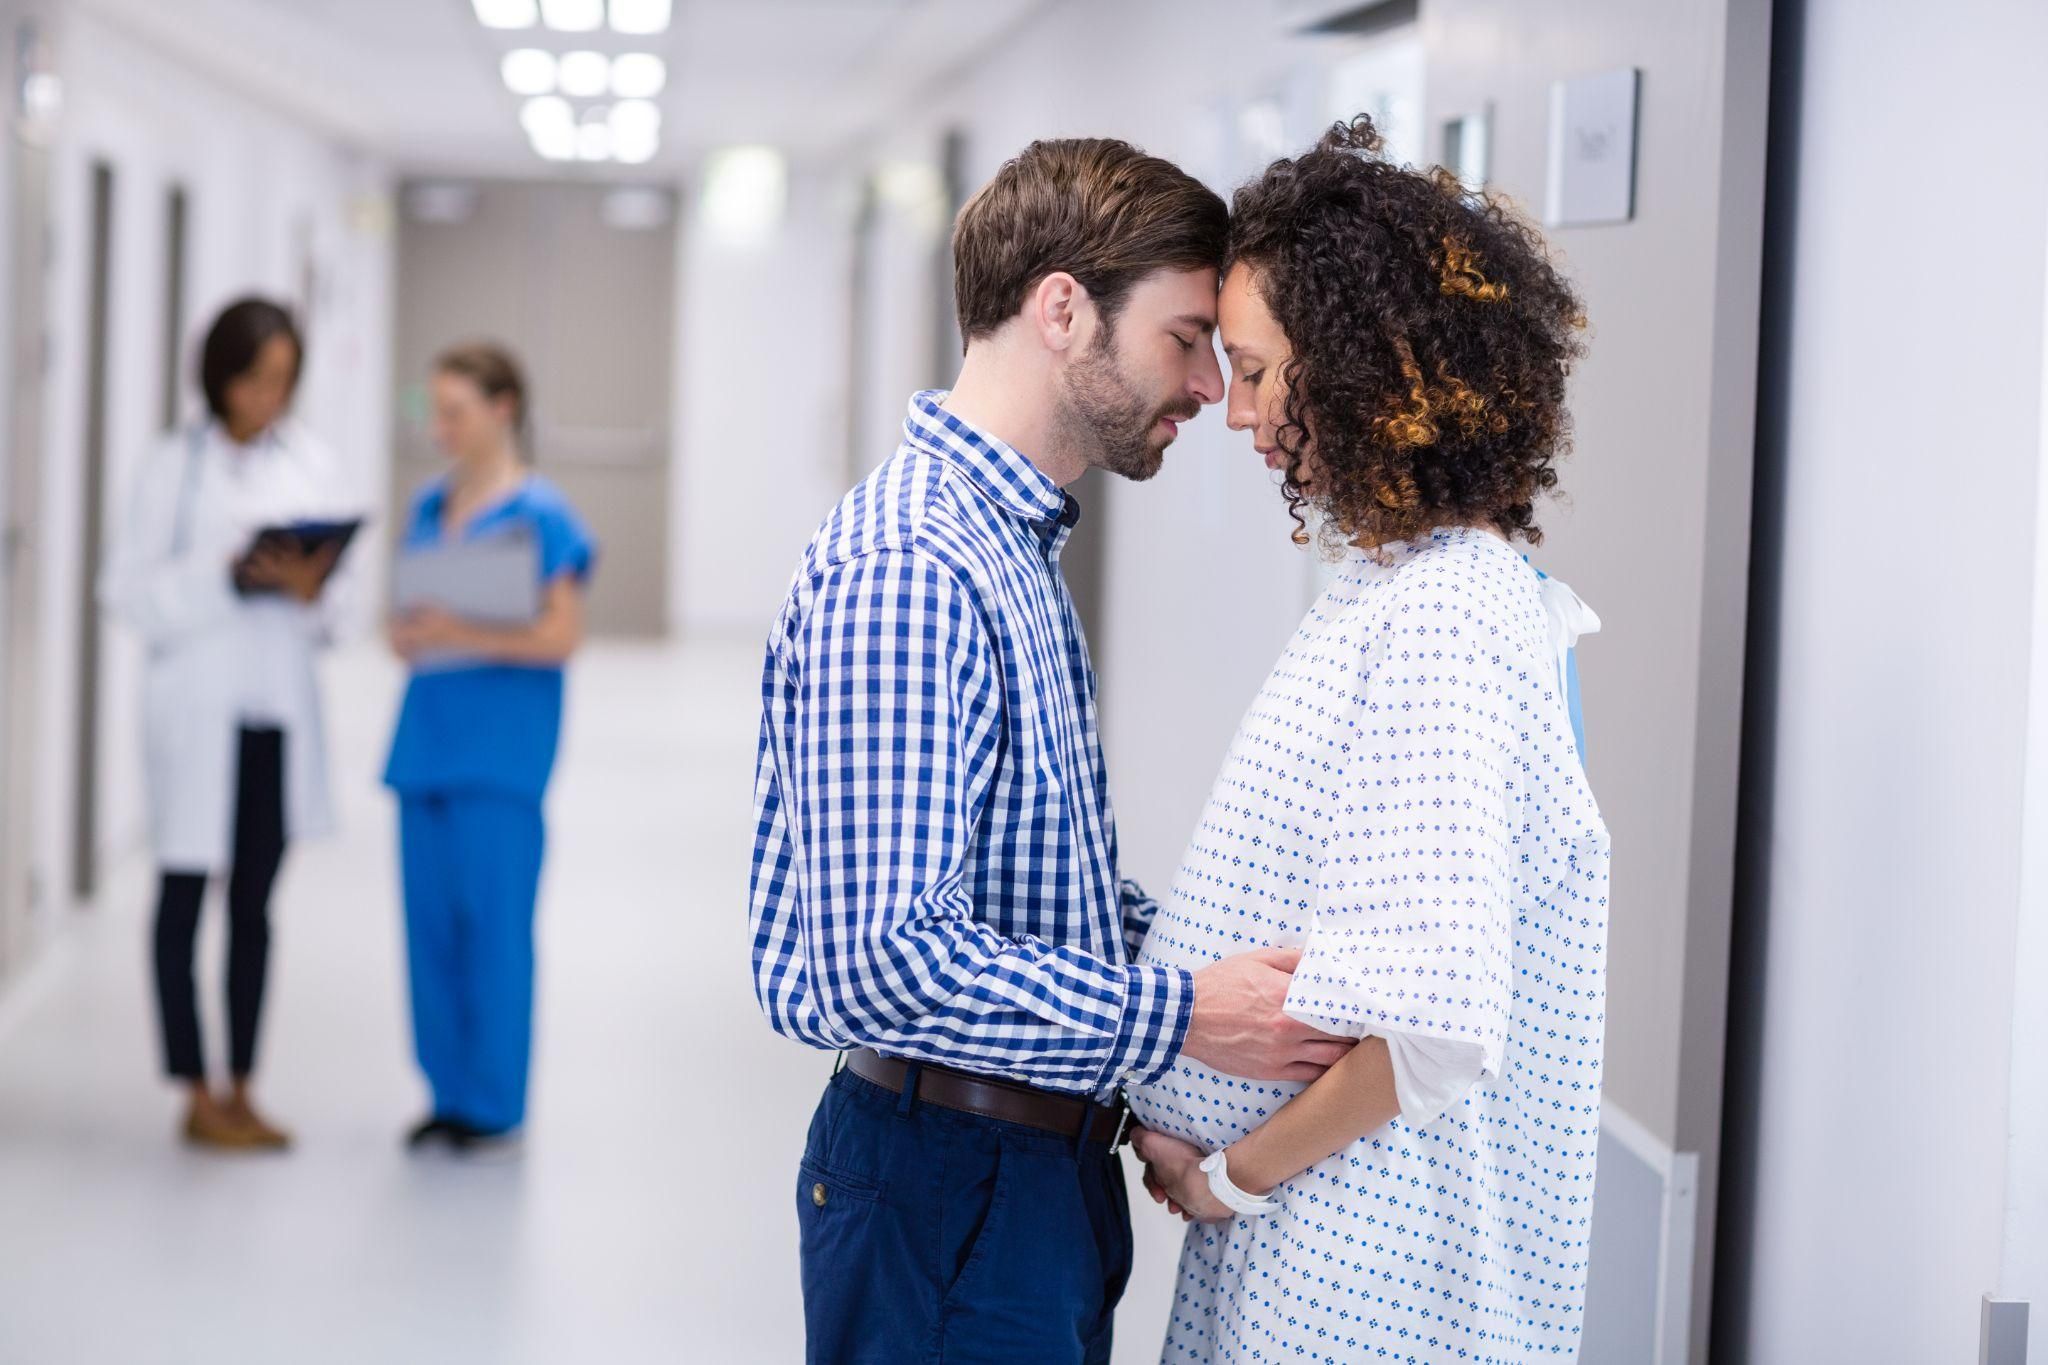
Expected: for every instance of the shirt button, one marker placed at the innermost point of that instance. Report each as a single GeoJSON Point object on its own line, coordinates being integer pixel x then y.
{"type": "Point", "coordinates": [818, 1195]}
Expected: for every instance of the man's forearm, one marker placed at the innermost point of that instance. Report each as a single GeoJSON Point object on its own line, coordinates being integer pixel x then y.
{"type": "Point", "coordinates": [1068, 1021]}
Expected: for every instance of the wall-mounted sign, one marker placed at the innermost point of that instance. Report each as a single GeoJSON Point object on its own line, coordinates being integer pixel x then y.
{"type": "Point", "coordinates": [1468, 148]}
{"type": "Point", "coordinates": [1592, 150]}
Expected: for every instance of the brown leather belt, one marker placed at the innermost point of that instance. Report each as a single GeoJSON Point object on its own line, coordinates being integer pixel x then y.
{"type": "Point", "coordinates": [1068, 1116]}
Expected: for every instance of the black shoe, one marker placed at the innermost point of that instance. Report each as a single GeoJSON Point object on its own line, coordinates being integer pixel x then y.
{"type": "Point", "coordinates": [466, 1139]}
{"type": "Point", "coordinates": [433, 1128]}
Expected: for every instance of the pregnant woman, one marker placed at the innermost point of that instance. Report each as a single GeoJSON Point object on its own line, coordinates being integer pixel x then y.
{"type": "Point", "coordinates": [1405, 802]}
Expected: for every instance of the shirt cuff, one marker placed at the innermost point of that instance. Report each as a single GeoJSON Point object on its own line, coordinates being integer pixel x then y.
{"type": "Point", "coordinates": [1158, 1002]}
{"type": "Point", "coordinates": [1431, 1074]}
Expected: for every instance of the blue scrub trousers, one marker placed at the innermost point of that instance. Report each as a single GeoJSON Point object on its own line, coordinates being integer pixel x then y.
{"type": "Point", "coordinates": [470, 862]}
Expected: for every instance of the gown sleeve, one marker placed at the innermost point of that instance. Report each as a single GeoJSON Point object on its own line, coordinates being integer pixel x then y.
{"type": "Point", "coordinates": [1412, 936]}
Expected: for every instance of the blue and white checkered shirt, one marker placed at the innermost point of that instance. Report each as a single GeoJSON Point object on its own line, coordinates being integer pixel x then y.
{"type": "Point", "coordinates": [935, 860]}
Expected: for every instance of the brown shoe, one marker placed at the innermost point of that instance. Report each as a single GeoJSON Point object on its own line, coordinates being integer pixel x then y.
{"type": "Point", "coordinates": [256, 1130]}
{"type": "Point", "coordinates": [208, 1123]}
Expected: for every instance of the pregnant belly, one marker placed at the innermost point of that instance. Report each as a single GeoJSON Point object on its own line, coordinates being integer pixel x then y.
{"type": "Point", "coordinates": [1206, 1107]}
{"type": "Point", "coordinates": [1193, 1102]}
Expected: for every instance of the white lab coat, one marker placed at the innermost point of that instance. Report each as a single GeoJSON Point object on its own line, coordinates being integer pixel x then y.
{"type": "Point", "coordinates": [216, 660]}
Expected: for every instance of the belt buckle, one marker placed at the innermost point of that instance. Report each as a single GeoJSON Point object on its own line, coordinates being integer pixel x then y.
{"type": "Point", "coordinates": [1123, 1124]}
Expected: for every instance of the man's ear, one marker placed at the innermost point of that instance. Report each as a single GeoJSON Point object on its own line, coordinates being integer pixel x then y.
{"type": "Point", "coordinates": [1059, 311]}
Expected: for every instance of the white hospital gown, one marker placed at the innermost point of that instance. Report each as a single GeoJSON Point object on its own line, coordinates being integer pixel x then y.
{"type": "Point", "coordinates": [1405, 802]}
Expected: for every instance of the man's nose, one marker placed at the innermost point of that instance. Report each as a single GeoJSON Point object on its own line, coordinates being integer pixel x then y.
{"type": "Point", "coordinates": [1207, 383]}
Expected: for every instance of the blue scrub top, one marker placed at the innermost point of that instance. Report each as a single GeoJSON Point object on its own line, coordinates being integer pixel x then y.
{"type": "Point", "coordinates": [1571, 686]}
{"type": "Point", "coordinates": [489, 727]}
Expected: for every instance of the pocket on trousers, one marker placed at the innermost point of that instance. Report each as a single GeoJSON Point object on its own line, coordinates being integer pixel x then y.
{"type": "Point", "coordinates": [838, 1225]}
{"type": "Point", "coordinates": [971, 1223]}
{"type": "Point", "coordinates": [821, 1187]}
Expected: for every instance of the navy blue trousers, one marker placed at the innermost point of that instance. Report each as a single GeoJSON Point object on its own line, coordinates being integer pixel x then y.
{"type": "Point", "coordinates": [933, 1237]}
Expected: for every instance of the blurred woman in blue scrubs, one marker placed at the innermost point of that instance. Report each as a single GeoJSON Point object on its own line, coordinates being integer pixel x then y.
{"type": "Point", "coordinates": [472, 754]}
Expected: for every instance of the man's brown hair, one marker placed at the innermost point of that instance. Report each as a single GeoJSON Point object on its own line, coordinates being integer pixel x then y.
{"type": "Point", "coordinates": [1096, 208]}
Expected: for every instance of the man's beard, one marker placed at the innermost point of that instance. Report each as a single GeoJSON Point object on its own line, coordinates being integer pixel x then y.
{"type": "Point", "coordinates": [1108, 422]}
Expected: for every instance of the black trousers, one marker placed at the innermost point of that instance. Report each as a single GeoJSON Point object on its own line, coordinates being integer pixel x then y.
{"type": "Point", "coordinates": [258, 851]}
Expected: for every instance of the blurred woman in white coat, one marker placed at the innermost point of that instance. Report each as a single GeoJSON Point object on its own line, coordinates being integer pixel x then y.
{"type": "Point", "coordinates": [232, 737]}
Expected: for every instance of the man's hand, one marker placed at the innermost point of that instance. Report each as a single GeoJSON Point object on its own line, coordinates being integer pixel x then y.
{"type": "Point", "coordinates": [1173, 1177]}
{"type": "Point", "coordinates": [1238, 1028]}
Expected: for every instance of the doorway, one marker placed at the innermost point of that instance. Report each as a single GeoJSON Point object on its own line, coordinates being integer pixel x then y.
{"type": "Point", "coordinates": [27, 348]}
{"type": "Point", "coordinates": [85, 813]}
{"type": "Point", "coordinates": [579, 281]}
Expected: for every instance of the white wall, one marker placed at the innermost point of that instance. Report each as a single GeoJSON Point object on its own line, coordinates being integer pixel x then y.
{"type": "Point", "coordinates": [265, 193]}
{"type": "Point", "coordinates": [1912, 551]}
{"type": "Point", "coordinates": [759, 406]}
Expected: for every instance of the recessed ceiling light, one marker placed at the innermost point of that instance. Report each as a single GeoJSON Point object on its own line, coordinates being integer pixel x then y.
{"type": "Point", "coordinates": [635, 119]}
{"type": "Point", "coordinates": [634, 151]}
{"type": "Point", "coordinates": [572, 16]}
{"type": "Point", "coordinates": [640, 16]}
{"type": "Point", "coordinates": [555, 144]}
{"type": "Point", "coordinates": [593, 142]}
{"type": "Point", "coordinates": [529, 71]}
{"type": "Point", "coordinates": [506, 13]}
{"type": "Point", "coordinates": [638, 75]}
{"type": "Point", "coordinates": [585, 74]}
{"type": "Point", "coordinates": [545, 113]}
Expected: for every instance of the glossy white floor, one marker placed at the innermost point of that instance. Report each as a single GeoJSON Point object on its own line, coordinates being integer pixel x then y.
{"type": "Point", "coordinates": [650, 1215]}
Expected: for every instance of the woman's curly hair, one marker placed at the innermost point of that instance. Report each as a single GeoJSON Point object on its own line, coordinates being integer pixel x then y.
{"type": "Point", "coordinates": [1431, 336]}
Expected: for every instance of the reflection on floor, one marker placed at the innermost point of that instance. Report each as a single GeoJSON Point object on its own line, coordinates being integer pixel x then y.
{"type": "Point", "coordinates": [650, 1216]}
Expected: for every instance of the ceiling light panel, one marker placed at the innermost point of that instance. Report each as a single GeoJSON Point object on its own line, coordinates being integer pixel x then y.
{"type": "Point", "coordinates": [529, 71]}
{"type": "Point", "coordinates": [635, 119]}
{"type": "Point", "coordinates": [638, 75]}
{"type": "Point", "coordinates": [585, 75]}
{"type": "Point", "coordinates": [546, 113]}
{"type": "Point", "coordinates": [555, 144]}
{"type": "Point", "coordinates": [572, 16]}
{"type": "Point", "coordinates": [506, 13]}
{"type": "Point", "coordinates": [594, 142]}
{"type": "Point", "coordinates": [640, 16]}
{"type": "Point", "coordinates": [634, 151]}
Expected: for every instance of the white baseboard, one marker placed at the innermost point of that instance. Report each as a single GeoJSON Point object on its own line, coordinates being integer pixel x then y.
{"type": "Point", "coordinates": [1646, 1214]}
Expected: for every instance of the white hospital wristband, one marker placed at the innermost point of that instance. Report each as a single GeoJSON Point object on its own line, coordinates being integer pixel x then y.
{"type": "Point", "coordinates": [1217, 1167]}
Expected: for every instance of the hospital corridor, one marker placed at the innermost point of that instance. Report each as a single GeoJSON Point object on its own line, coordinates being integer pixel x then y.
{"type": "Point", "coordinates": [347, 1250]}
{"type": "Point", "coordinates": [1030, 682]}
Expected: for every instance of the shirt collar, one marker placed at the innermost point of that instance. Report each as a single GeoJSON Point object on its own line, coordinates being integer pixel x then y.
{"type": "Point", "coordinates": [1002, 473]}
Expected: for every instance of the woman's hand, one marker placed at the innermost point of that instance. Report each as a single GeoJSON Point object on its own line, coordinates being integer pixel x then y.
{"type": "Point", "coordinates": [429, 630]}
{"type": "Point", "coordinates": [278, 568]}
{"type": "Point", "coordinates": [1174, 1177]}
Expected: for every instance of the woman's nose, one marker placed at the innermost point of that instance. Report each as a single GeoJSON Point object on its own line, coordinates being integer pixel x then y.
{"type": "Point", "coordinates": [1238, 416]}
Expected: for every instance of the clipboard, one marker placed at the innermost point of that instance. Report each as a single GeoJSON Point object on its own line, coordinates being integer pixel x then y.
{"type": "Point", "coordinates": [494, 581]}
{"type": "Point", "coordinates": [300, 538]}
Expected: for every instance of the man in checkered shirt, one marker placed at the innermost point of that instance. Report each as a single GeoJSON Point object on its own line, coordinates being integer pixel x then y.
{"type": "Point", "coordinates": [935, 892]}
